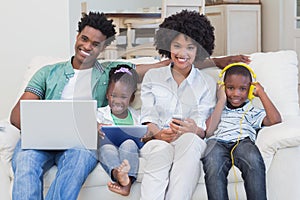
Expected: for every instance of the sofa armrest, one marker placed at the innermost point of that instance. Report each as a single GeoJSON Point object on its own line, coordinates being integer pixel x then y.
{"type": "Point", "coordinates": [9, 136]}
{"type": "Point", "coordinates": [279, 136]}
{"type": "Point", "coordinates": [6, 174]}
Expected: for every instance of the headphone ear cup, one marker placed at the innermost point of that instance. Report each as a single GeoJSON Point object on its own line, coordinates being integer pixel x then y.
{"type": "Point", "coordinates": [220, 83]}
{"type": "Point", "coordinates": [251, 90]}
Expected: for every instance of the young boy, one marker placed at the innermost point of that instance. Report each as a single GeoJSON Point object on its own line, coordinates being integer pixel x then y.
{"type": "Point", "coordinates": [232, 130]}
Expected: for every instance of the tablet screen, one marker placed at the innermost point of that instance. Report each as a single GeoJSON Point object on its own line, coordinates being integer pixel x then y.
{"type": "Point", "coordinates": [118, 134]}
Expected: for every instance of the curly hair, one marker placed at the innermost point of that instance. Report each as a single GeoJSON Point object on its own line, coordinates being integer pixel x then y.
{"type": "Point", "coordinates": [191, 24]}
{"type": "Point", "coordinates": [98, 21]}
{"type": "Point", "coordinates": [125, 74]}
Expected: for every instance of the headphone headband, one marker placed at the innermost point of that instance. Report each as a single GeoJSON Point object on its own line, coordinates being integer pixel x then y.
{"type": "Point", "coordinates": [238, 64]}
{"type": "Point", "coordinates": [251, 88]}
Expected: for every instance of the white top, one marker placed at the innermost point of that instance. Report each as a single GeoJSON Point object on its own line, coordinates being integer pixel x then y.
{"type": "Point", "coordinates": [162, 97]}
{"type": "Point", "coordinates": [79, 86]}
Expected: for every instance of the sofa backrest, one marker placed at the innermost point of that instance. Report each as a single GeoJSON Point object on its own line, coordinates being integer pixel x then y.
{"type": "Point", "coordinates": [276, 71]}
{"type": "Point", "coordinates": [278, 74]}
{"type": "Point", "coordinates": [35, 64]}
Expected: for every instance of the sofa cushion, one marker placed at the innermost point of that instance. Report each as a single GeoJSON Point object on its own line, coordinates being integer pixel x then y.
{"type": "Point", "coordinates": [278, 73]}
{"type": "Point", "coordinates": [98, 176]}
{"type": "Point", "coordinates": [272, 139]}
{"type": "Point", "coordinates": [5, 179]}
{"type": "Point", "coordinates": [9, 136]}
{"type": "Point", "coordinates": [35, 64]}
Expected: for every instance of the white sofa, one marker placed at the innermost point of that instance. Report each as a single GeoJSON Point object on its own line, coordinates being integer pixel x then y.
{"type": "Point", "coordinates": [279, 144]}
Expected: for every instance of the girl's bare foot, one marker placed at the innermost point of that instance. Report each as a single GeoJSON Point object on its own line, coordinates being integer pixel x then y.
{"type": "Point", "coordinates": [123, 184]}
{"type": "Point", "coordinates": [119, 189]}
{"type": "Point", "coordinates": [122, 173]}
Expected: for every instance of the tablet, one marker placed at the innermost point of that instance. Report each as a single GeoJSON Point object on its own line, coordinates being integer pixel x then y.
{"type": "Point", "coordinates": [118, 134]}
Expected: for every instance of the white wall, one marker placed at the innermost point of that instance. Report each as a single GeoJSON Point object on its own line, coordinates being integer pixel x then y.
{"type": "Point", "coordinates": [121, 5]}
{"type": "Point", "coordinates": [279, 27]}
{"type": "Point", "coordinates": [36, 28]}
{"type": "Point", "coordinates": [74, 17]}
{"type": "Point", "coordinates": [29, 28]}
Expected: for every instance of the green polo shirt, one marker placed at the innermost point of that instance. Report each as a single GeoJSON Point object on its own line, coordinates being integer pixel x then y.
{"type": "Point", "coordinates": [49, 81]}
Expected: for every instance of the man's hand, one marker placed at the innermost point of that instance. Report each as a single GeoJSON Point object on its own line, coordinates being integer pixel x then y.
{"type": "Point", "coordinates": [222, 62]}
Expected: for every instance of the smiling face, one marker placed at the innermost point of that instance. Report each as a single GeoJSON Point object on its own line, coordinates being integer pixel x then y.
{"type": "Point", "coordinates": [88, 46]}
{"type": "Point", "coordinates": [183, 53]}
{"type": "Point", "coordinates": [119, 96]}
{"type": "Point", "coordinates": [236, 89]}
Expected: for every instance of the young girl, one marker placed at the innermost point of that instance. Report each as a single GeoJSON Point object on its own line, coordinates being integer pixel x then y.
{"type": "Point", "coordinates": [121, 163]}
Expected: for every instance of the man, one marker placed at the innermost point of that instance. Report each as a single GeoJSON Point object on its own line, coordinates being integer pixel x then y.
{"type": "Point", "coordinates": [58, 81]}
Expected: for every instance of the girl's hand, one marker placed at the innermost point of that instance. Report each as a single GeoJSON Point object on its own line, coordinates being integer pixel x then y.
{"type": "Point", "coordinates": [100, 133]}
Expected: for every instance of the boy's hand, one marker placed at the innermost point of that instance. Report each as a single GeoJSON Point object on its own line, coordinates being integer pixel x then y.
{"type": "Point", "coordinates": [258, 89]}
{"type": "Point", "coordinates": [221, 95]}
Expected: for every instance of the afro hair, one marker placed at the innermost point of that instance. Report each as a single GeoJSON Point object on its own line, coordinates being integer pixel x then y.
{"type": "Point", "coordinates": [191, 24]}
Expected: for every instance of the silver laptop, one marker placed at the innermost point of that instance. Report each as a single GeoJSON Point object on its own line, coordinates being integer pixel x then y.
{"type": "Point", "coordinates": [58, 124]}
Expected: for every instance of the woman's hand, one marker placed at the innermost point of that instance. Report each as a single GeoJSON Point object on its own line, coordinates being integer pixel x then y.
{"type": "Point", "coordinates": [167, 134]}
{"type": "Point", "coordinates": [185, 126]}
{"type": "Point", "coordinates": [154, 132]}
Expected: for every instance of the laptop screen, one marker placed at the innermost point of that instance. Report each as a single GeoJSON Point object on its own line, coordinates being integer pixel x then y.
{"type": "Point", "coordinates": [58, 124]}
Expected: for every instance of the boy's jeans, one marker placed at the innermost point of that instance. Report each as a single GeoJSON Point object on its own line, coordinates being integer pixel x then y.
{"type": "Point", "coordinates": [29, 166]}
{"type": "Point", "coordinates": [217, 163]}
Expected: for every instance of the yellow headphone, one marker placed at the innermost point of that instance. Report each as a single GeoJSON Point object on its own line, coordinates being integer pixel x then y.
{"type": "Point", "coordinates": [252, 87]}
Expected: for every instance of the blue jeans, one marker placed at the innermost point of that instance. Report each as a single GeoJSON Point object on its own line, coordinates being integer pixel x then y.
{"type": "Point", "coordinates": [217, 163]}
{"type": "Point", "coordinates": [29, 166]}
{"type": "Point", "coordinates": [111, 157]}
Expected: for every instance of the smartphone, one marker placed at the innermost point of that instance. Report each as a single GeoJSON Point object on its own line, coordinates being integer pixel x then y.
{"type": "Point", "coordinates": [178, 117]}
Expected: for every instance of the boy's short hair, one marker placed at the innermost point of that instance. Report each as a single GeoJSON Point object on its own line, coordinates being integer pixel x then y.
{"type": "Point", "coordinates": [190, 23]}
{"type": "Point", "coordinates": [100, 22]}
{"type": "Point", "coordinates": [238, 70]}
